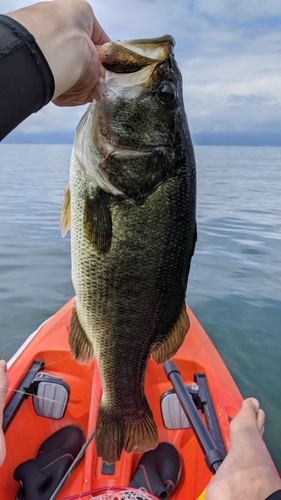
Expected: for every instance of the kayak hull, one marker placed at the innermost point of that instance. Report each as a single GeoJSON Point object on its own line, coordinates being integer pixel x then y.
{"type": "Point", "coordinates": [28, 430]}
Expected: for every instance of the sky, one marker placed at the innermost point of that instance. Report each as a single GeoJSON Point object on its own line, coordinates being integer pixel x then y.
{"type": "Point", "coordinates": [229, 53]}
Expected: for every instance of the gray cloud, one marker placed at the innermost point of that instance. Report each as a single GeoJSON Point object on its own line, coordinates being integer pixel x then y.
{"type": "Point", "coordinates": [242, 100]}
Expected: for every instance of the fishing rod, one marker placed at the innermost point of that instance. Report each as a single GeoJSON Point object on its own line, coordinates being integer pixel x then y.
{"type": "Point", "coordinates": [73, 465]}
{"type": "Point", "coordinates": [213, 456]}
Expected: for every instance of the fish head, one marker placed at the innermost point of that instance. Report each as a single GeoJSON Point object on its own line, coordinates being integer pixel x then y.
{"type": "Point", "coordinates": [137, 132]}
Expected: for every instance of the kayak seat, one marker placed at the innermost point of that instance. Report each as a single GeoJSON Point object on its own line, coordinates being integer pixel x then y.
{"type": "Point", "coordinates": [40, 476]}
{"type": "Point", "coordinates": [158, 471]}
{"type": "Point", "coordinates": [50, 395]}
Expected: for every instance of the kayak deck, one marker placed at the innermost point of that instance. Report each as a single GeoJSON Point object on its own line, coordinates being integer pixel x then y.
{"type": "Point", "coordinates": [28, 430]}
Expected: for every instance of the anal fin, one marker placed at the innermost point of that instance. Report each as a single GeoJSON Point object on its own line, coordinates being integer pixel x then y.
{"type": "Point", "coordinates": [175, 338]}
{"type": "Point", "coordinates": [80, 345]}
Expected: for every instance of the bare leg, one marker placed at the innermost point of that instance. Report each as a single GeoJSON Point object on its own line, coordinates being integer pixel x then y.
{"type": "Point", "coordinates": [3, 392]}
{"type": "Point", "coordinates": [247, 472]}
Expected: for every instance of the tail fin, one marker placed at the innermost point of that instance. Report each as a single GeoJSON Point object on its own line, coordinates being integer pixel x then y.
{"type": "Point", "coordinates": [141, 436]}
{"type": "Point", "coordinates": [113, 435]}
{"type": "Point", "coordinates": [109, 436]}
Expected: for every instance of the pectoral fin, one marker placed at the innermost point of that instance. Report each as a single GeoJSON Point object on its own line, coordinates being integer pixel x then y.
{"type": "Point", "coordinates": [97, 220]}
{"type": "Point", "coordinates": [65, 218]}
{"type": "Point", "coordinates": [174, 340]}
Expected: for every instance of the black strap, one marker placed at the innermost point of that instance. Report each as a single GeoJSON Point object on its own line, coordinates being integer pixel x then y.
{"type": "Point", "coordinates": [274, 496]}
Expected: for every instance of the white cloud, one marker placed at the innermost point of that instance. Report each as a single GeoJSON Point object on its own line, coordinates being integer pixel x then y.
{"type": "Point", "coordinates": [239, 10]}
{"type": "Point", "coordinates": [224, 48]}
{"type": "Point", "coordinates": [52, 119]}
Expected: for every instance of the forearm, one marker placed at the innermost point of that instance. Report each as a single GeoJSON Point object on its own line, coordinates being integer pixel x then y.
{"type": "Point", "coordinates": [26, 81]}
{"type": "Point", "coordinates": [59, 36]}
{"type": "Point", "coordinates": [55, 48]}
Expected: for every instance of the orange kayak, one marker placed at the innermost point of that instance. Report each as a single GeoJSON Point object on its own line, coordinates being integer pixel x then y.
{"type": "Point", "coordinates": [209, 383]}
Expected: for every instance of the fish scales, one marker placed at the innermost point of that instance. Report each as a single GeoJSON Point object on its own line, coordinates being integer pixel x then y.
{"type": "Point", "coordinates": [133, 231]}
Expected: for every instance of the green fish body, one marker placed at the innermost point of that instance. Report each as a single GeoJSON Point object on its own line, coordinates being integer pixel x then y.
{"type": "Point", "coordinates": [131, 208]}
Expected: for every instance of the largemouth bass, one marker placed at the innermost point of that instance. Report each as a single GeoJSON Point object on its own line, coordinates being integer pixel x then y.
{"type": "Point", "coordinates": [131, 207]}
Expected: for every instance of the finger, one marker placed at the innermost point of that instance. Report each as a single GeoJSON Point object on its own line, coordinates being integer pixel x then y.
{"type": "Point", "coordinates": [95, 94]}
{"type": "Point", "coordinates": [3, 365]}
{"type": "Point", "coordinates": [99, 36]}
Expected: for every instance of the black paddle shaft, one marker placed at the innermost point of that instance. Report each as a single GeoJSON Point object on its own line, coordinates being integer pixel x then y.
{"type": "Point", "coordinates": [213, 456]}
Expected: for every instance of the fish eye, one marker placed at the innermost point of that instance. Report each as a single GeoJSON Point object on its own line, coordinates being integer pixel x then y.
{"type": "Point", "coordinates": [167, 93]}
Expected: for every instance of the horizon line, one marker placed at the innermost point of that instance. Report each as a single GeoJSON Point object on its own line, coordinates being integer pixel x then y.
{"type": "Point", "coordinates": [198, 139]}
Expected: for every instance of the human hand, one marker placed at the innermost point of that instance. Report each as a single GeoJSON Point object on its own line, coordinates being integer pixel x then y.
{"type": "Point", "coordinates": [67, 32]}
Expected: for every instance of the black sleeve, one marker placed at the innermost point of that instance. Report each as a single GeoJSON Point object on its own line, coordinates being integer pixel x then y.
{"type": "Point", "coordinates": [275, 496]}
{"type": "Point", "coordinates": [26, 80]}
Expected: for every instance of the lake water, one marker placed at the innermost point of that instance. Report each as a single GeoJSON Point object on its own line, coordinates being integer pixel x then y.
{"type": "Point", "coordinates": [235, 279]}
